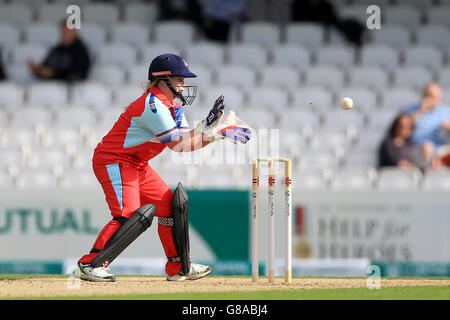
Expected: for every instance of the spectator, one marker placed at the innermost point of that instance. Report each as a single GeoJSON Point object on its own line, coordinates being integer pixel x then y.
{"type": "Point", "coordinates": [220, 16]}
{"type": "Point", "coordinates": [397, 148]}
{"type": "Point", "coordinates": [431, 117]}
{"type": "Point", "coordinates": [322, 11]}
{"type": "Point", "coordinates": [68, 60]}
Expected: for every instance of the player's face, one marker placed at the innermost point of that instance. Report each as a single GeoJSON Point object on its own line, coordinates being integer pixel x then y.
{"type": "Point", "coordinates": [405, 127]}
{"type": "Point", "coordinates": [177, 83]}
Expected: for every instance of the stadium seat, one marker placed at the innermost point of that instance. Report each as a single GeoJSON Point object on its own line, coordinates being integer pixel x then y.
{"type": "Point", "coordinates": [9, 35]}
{"type": "Point", "coordinates": [418, 4]}
{"type": "Point", "coordinates": [240, 76]}
{"type": "Point", "coordinates": [338, 118]}
{"type": "Point", "coordinates": [93, 35]}
{"type": "Point", "coordinates": [144, 13]}
{"type": "Point", "coordinates": [42, 33]}
{"type": "Point", "coordinates": [399, 97]}
{"type": "Point", "coordinates": [104, 14]}
{"type": "Point", "coordinates": [148, 52]}
{"type": "Point", "coordinates": [281, 76]}
{"type": "Point", "coordinates": [110, 74]}
{"type": "Point", "coordinates": [130, 33]}
{"type": "Point", "coordinates": [19, 73]}
{"type": "Point", "coordinates": [216, 179]}
{"type": "Point", "coordinates": [117, 53]}
{"type": "Point", "coordinates": [326, 76]}
{"type": "Point", "coordinates": [50, 157]}
{"type": "Point", "coordinates": [291, 55]}
{"type": "Point", "coordinates": [355, 178]}
{"type": "Point", "coordinates": [299, 118]}
{"type": "Point", "coordinates": [292, 141]}
{"type": "Point", "coordinates": [178, 33]}
{"type": "Point", "coordinates": [12, 94]}
{"type": "Point", "coordinates": [248, 54]}
{"type": "Point", "coordinates": [51, 12]}
{"type": "Point", "coordinates": [32, 116]}
{"type": "Point", "coordinates": [272, 98]}
{"type": "Point", "coordinates": [412, 76]}
{"type": "Point", "coordinates": [370, 138]}
{"type": "Point", "coordinates": [357, 12]}
{"type": "Point", "coordinates": [76, 116]}
{"type": "Point", "coordinates": [330, 137]}
{"type": "Point", "coordinates": [52, 94]}
{"type": "Point", "coordinates": [424, 55]}
{"type": "Point", "coordinates": [404, 15]}
{"type": "Point", "coordinates": [393, 178]}
{"type": "Point", "coordinates": [310, 179]}
{"type": "Point", "coordinates": [444, 77]}
{"type": "Point", "coordinates": [137, 74]}
{"type": "Point", "coordinates": [63, 137]}
{"type": "Point", "coordinates": [27, 51]}
{"type": "Point", "coordinates": [12, 156]}
{"type": "Point", "coordinates": [109, 118]}
{"type": "Point", "coordinates": [261, 33]}
{"type": "Point", "coordinates": [339, 56]}
{"type": "Point", "coordinates": [437, 179]}
{"type": "Point", "coordinates": [82, 159]}
{"type": "Point", "coordinates": [363, 98]}
{"type": "Point", "coordinates": [234, 96]}
{"type": "Point", "coordinates": [433, 35]}
{"type": "Point", "coordinates": [310, 35]}
{"type": "Point", "coordinates": [17, 14]}
{"type": "Point", "coordinates": [258, 118]}
{"type": "Point", "coordinates": [20, 135]}
{"type": "Point", "coordinates": [396, 36]}
{"type": "Point", "coordinates": [207, 53]}
{"type": "Point", "coordinates": [383, 118]}
{"type": "Point", "coordinates": [204, 75]}
{"type": "Point", "coordinates": [372, 77]}
{"type": "Point", "coordinates": [124, 95]}
{"type": "Point", "coordinates": [438, 15]}
{"type": "Point", "coordinates": [380, 56]}
{"type": "Point", "coordinates": [446, 95]}
{"type": "Point", "coordinates": [312, 97]}
{"type": "Point", "coordinates": [93, 94]}
{"type": "Point", "coordinates": [361, 157]}
{"type": "Point", "coordinates": [32, 179]}
{"type": "Point", "coordinates": [4, 118]}
{"type": "Point", "coordinates": [6, 181]}
{"type": "Point", "coordinates": [80, 178]}
{"type": "Point", "coordinates": [319, 159]}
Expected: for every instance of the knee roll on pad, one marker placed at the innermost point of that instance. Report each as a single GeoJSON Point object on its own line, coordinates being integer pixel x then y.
{"type": "Point", "coordinates": [132, 228]}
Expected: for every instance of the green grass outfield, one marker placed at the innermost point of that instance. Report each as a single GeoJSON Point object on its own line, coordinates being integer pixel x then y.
{"type": "Point", "coordinates": [387, 293]}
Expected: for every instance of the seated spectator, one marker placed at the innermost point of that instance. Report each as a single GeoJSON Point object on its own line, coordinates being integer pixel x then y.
{"type": "Point", "coordinates": [220, 16]}
{"type": "Point", "coordinates": [68, 60]}
{"type": "Point", "coordinates": [323, 11]}
{"type": "Point", "coordinates": [398, 149]}
{"type": "Point", "coordinates": [431, 117]}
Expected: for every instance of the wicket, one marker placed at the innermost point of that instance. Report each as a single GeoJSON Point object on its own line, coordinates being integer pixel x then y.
{"type": "Point", "coordinates": [255, 218]}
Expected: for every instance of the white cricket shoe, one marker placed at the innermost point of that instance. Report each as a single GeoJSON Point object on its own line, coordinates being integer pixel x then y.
{"type": "Point", "coordinates": [85, 272]}
{"type": "Point", "coordinates": [197, 271]}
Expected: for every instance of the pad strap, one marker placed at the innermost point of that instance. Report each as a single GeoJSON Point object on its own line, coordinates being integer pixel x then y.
{"type": "Point", "coordinates": [174, 259]}
{"type": "Point", "coordinates": [167, 222]}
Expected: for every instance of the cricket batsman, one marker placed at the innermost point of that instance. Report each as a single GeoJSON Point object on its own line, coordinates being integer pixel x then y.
{"type": "Point", "coordinates": [135, 193]}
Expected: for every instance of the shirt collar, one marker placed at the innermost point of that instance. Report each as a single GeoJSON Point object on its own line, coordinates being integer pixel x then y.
{"type": "Point", "coordinates": [162, 97]}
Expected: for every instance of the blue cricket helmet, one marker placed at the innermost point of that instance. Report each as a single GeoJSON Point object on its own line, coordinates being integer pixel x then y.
{"type": "Point", "coordinates": [168, 65]}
